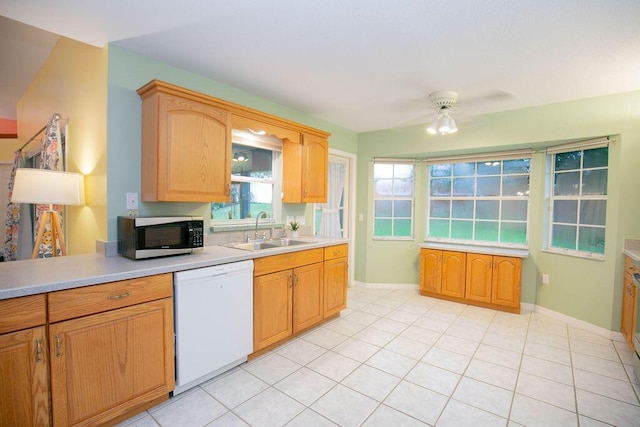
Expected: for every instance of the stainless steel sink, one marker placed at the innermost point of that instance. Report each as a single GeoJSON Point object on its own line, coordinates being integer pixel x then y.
{"type": "Point", "coordinates": [266, 244]}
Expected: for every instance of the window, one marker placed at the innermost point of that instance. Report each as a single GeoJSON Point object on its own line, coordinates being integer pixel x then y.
{"type": "Point", "coordinates": [254, 178]}
{"type": "Point", "coordinates": [578, 198]}
{"type": "Point", "coordinates": [393, 200]}
{"type": "Point", "coordinates": [485, 200]}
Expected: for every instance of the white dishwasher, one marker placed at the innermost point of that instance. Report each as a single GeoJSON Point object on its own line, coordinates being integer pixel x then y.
{"type": "Point", "coordinates": [213, 321]}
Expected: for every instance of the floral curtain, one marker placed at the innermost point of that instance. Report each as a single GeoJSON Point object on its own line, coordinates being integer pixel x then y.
{"type": "Point", "coordinates": [49, 159]}
{"type": "Point", "coordinates": [330, 221]}
{"type": "Point", "coordinates": [13, 215]}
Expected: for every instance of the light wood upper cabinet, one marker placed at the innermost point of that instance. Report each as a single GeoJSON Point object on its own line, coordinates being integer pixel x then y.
{"type": "Point", "coordinates": [186, 148]}
{"type": "Point", "coordinates": [24, 361]}
{"type": "Point", "coordinates": [305, 169]}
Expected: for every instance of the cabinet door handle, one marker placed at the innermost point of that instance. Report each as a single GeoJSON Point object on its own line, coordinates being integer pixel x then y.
{"type": "Point", "coordinates": [38, 350]}
{"type": "Point", "coordinates": [119, 296]}
{"type": "Point", "coordinates": [305, 192]}
{"type": "Point", "coordinates": [290, 282]}
{"type": "Point", "coordinates": [58, 346]}
{"type": "Point", "coordinates": [297, 279]}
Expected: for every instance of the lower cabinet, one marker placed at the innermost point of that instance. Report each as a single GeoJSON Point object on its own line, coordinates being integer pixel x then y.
{"type": "Point", "coordinates": [629, 303]}
{"type": "Point", "coordinates": [24, 373]}
{"type": "Point", "coordinates": [112, 355]}
{"type": "Point", "coordinates": [295, 291]}
{"type": "Point", "coordinates": [487, 280]}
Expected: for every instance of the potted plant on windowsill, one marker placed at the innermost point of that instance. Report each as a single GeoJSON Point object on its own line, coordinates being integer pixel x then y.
{"type": "Point", "coordinates": [294, 226]}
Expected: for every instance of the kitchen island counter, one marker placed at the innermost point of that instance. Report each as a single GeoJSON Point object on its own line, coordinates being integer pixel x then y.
{"type": "Point", "coordinates": [30, 277]}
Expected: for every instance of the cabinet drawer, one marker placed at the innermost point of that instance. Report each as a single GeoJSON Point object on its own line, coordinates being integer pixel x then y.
{"type": "Point", "coordinates": [629, 267]}
{"type": "Point", "coordinates": [271, 264]}
{"type": "Point", "coordinates": [78, 302]}
{"type": "Point", "coordinates": [338, 251]}
{"type": "Point", "coordinates": [22, 313]}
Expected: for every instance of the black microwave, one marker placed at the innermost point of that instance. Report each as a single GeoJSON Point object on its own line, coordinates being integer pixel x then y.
{"type": "Point", "coordinates": [150, 237]}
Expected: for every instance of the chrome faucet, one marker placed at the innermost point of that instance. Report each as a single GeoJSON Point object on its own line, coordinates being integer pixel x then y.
{"type": "Point", "coordinates": [262, 214]}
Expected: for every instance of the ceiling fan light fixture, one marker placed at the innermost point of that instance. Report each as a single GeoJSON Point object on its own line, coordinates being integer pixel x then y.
{"type": "Point", "coordinates": [240, 156]}
{"type": "Point", "coordinates": [443, 125]}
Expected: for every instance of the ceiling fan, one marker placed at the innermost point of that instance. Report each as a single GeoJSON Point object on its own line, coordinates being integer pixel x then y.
{"type": "Point", "coordinates": [443, 101]}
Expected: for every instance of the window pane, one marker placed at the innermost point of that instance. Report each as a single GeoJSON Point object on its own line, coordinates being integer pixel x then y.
{"type": "Point", "coordinates": [247, 200]}
{"type": "Point", "coordinates": [514, 210]}
{"type": "Point", "coordinates": [402, 209]}
{"type": "Point", "coordinates": [515, 185]}
{"type": "Point", "coordinates": [382, 208]}
{"type": "Point", "coordinates": [438, 228]}
{"type": "Point", "coordinates": [463, 187]}
{"type": "Point", "coordinates": [251, 161]}
{"type": "Point", "coordinates": [594, 182]}
{"type": "Point", "coordinates": [564, 236]}
{"type": "Point", "coordinates": [462, 209]}
{"type": "Point", "coordinates": [567, 183]}
{"type": "Point", "coordinates": [403, 187]}
{"type": "Point", "coordinates": [593, 212]}
{"type": "Point", "coordinates": [403, 171]}
{"type": "Point", "coordinates": [567, 161]}
{"type": "Point", "coordinates": [440, 187]}
{"type": "Point", "coordinates": [383, 187]}
{"type": "Point", "coordinates": [598, 157]}
{"type": "Point", "coordinates": [489, 168]}
{"type": "Point", "coordinates": [488, 186]}
{"type": "Point", "coordinates": [514, 232]}
{"type": "Point", "coordinates": [402, 227]}
{"type": "Point", "coordinates": [382, 227]}
{"type": "Point", "coordinates": [462, 230]}
{"type": "Point", "coordinates": [440, 209]}
{"type": "Point", "coordinates": [382, 170]}
{"type": "Point", "coordinates": [565, 211]}
{"type": "Point", "coordinates": [487, 209]}
{"type": "Point", "coordinates": [440, 170]}
{"type": "Point", "coordinates": [487, 231]}
{"type": "Point", "coordinates": [591, 239]}
{"type": "Point", "coordinates": [464, 169]}
{"type": "Point", "coordinates": [516, 166]}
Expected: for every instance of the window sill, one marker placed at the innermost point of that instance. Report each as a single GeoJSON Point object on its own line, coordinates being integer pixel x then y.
{"type": "Point", "coordinates": [477, 249]}
{"type": "Point", "coordinates": [575, 254]}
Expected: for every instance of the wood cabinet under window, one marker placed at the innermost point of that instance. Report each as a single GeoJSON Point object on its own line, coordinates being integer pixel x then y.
{"type": "Point", "coordinates": [479, 279]}
{"type": "Point", "coordinates": [24, 373]}
{"type": "Point", "coordinates": [629, 303]}
{"type": "Point", "coordinates": [186, 146]}
{"type": "Point", "coordinates": [111, 349]}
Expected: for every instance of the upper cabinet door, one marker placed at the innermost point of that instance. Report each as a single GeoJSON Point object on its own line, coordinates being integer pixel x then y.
{"type": "Point", "coordinates": [186, 148]}
{"type": "Point", "coordinates": [315, 164]}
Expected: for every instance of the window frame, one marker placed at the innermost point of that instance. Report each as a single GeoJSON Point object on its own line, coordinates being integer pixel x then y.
{"type": "Point", "coordinates": [552, 198]}
{"type": "Point", "coordinates": [393, 198]}
{"type": "Point", "coordinates": [476, 159]}
{"type": "Point", "coordinates": [265, 143]}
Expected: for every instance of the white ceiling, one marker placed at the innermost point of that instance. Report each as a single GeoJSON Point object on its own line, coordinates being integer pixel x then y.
{"type": "Point", "coordinates": [366, 64]}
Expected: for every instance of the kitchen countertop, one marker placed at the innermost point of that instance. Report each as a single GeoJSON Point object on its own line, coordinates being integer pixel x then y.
{"type": "Point", "coordinates": [30, 277]}
{"type": "Point", "coordinates": [477, 249]}
{"type": "Point", "coordinates": [631, 248]}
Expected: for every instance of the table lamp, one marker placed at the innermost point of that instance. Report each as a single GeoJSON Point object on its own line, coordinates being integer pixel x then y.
{"type": "Point", "coordinates": [48, 187]}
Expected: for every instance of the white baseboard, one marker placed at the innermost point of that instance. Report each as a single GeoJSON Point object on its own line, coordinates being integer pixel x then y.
{"type": "Point", "coordinates": [524, 308]}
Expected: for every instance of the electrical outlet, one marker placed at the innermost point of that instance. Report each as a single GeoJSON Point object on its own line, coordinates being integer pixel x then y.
{"type": "Point", "coordinates": [360, 217]}
{"type": "Point", "coordinates": [545, 279]}
{"type": "Point", "coordinates": [132, 201]}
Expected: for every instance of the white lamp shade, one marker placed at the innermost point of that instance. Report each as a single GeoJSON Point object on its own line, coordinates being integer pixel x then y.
{"type": "Point", "coordinates": [48, 187]}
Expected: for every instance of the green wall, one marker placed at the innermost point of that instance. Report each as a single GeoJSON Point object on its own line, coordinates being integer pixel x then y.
{"type": "Point", "coordinates": [588, 290]}
{"type": "Point", "coordinates": [127, 71]}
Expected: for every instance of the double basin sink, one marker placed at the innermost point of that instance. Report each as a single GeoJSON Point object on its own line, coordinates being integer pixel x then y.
{"type": "Point", "coordinates": [266, 244]}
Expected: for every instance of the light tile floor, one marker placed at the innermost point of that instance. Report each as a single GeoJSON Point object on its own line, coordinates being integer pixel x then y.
{"type": "Point", "coordinates": [395, 358]}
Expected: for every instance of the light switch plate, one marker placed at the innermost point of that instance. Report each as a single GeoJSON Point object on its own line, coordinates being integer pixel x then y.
{"type": "Point", "coordinates": [132, 201]}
